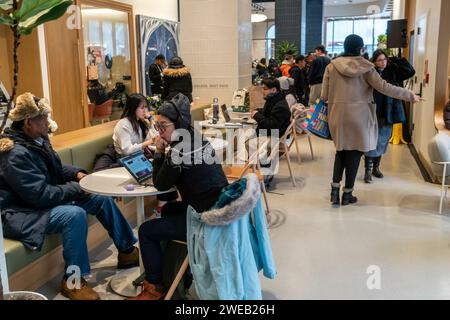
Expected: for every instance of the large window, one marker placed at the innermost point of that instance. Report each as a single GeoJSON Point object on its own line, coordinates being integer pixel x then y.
{"type": "Point", "coordinates": [270, 42]}
{"type": "Point", "coordinates": [369, 28]}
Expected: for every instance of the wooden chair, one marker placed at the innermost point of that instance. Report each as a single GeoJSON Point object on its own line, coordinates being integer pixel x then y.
{"type": "Point", "coordinates": [283, 147]}
{"type": "Point", "coordinates": [234, 173]}
{"type": "Point", "coordinates": [296, 137]}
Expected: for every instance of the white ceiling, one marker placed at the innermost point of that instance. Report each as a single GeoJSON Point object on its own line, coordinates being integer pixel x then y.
{"type": "Point", "coordinates": [346, 2]}
{"type": "Point", "coordinates": [335, 7]}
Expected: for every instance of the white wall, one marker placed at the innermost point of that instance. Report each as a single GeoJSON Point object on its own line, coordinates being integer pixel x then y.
{"type": "Point", "coordinates": [162, 9]}
{"type": "Point", "coordinates": [424, 112]}
{"type": "Point", "coordinates": [215, 39]}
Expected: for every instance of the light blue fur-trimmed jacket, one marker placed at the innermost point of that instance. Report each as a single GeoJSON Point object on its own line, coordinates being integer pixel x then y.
{"type": "Point", "coordinates": [228, 247]}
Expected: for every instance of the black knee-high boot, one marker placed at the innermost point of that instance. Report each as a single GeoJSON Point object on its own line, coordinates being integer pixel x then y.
{"type": "Point", "coordinates": [369, 162]}
{"type": "Point", "coordinates": [376, 168]}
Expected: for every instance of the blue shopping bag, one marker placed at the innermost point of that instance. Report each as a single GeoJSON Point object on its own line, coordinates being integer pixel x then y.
{"type": "Point", "coordinates": [318, 123]}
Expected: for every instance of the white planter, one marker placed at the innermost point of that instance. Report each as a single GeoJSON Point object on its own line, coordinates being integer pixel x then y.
{"type": "Point", "coordinates": [24, 295]}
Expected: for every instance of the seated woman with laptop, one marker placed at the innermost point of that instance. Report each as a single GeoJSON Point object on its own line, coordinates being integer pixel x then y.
{"type": "Point", "coordinates": [199, 182]}
{"type": "Point", "coordinates": [133, 133]}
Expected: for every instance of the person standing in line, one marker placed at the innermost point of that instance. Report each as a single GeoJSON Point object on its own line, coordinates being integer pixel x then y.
{"type": "Point", "coordinates": [394, 72]}
{"type": "Point", "coordinates": [262, 67]}
{"type": "Point", "coordinates": [316, 72]}
{"type": "Point", "coordinates": [177, 79]}
{"type": "Point", "coordinates": [155, 72]}
{"type": "Point", "coordinates": [348, 88]}
{"type": "Point", "coordinates": [286, 65]}
{"type": "Point", "coordinates": [298, 73]}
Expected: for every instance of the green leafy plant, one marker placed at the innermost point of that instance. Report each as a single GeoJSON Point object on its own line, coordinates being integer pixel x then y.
{"type": "Point", "coordinates": [155, 102]}
{"type": "Point", "coordinates": [22, 16]}
{"type": "Point", "coordinates": [382, 44]}
{"type": "Point", "coordinates": [285, 48]}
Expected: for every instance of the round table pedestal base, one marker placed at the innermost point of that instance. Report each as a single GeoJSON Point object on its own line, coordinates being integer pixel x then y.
{"type": "Point", "coordinates": [122, 283]}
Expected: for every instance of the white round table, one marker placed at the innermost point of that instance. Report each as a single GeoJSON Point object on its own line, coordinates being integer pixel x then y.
{"type": "Point", "coordinates": [217, 144]}
{"type": "Point", "coordinates": [112, 182]}
{"type": "Point", "coordinates": [230, 132]}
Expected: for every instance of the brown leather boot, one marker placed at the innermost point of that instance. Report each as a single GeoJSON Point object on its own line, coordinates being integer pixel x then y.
{"type": "Point", "coordinates": [83, 293]}
{"type": "Point", "coordinates": [150, 292]}
{"type": "Point", "coordinates": [126, 261]}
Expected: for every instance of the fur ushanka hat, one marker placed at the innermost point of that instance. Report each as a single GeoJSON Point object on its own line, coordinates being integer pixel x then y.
{"type": "Point", "coordinates": [29, 106]}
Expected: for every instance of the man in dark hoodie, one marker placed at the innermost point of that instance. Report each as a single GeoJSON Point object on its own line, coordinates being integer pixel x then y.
{"type": "Point", "coordinates": [39, 196]}
{"type": "Point", "coordinates": [192, 167]}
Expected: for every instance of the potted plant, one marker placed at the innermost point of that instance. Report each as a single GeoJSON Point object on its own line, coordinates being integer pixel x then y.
{"type": "Point", "coordinates": [285, 48]}
{"type": "Point", "coordinates": [22, 16]}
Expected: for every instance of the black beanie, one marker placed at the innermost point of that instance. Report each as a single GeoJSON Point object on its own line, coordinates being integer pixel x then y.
{"type": "Point", "coordinates": [353, 45]}
{"type": "Point", "coordinates": [178, 110]}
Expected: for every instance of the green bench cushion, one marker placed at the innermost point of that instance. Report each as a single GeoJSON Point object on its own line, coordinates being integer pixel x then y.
{"type": "Point", "coordinates": [83, 155]}
{"type": "Point", "coordinates": [18, 257]}
{"type": "Point", "coordinates": [65, 155]}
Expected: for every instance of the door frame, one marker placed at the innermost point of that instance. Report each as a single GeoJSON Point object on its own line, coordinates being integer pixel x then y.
{"type": "Point", "coordinates": [128, 9]}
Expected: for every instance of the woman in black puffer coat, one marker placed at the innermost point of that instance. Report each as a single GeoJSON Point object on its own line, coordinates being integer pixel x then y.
{"type": "Point", "coordinates": [394, 71]}
{"type": "Point", "coordinates": [177, 79]}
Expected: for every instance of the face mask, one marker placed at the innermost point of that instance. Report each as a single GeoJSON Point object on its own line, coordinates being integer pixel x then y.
{"type": "Point", "coordinates": [270, 96]}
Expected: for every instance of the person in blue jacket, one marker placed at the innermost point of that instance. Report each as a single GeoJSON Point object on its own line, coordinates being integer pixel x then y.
{"type": "Point", "coordinates": [39, 196]}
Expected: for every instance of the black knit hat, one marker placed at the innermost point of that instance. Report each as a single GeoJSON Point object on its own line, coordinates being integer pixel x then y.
{"type": "Point", "coordinates": [353, 45]}
{"type": "Point", "coordinates": [177, 110]}
{"type": "Point", "coordinates": [176, 63]}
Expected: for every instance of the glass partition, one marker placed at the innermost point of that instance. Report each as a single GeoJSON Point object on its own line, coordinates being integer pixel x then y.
{"type": "Point", "coordinates": [107, 58]}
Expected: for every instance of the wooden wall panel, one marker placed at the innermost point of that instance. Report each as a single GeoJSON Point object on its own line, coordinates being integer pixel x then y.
{"type": "Point", "coordinates": [30, 73]}
{"type": "Point", "coordinates": [5, 73]}
{"type": "Point", "coordinates": [64, 75]}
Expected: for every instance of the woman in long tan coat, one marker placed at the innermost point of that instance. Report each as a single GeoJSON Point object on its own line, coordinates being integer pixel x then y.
{"type": "Point", "coordinates": [348, 87]}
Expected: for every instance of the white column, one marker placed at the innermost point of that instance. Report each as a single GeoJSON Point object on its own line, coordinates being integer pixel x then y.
{"type": "Point", "coordinates": [44, 66]}
{"type": "Point", "coordinates": [399, 9]}
{"type": "Point", "coordinates": [215, 40]}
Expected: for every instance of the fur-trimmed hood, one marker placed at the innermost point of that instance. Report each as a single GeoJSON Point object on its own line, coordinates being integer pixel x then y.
{"type": "Point", "coordinates": [6, 144]}
{"type": "Point", "coordinates": [238, 208]}
{"type": "Point", "coordinates": [176, 73]}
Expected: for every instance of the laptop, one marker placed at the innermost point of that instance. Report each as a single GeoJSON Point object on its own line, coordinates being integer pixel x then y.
{"type": "Point", "coordinates": [139, 167]}
{"type": "Point", "coordinates": [228, 119]}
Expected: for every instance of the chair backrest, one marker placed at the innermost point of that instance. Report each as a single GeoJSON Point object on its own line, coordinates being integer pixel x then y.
{"type": "Point", "coordinates": [103, 110]}
{"type": "Point", "coordinates": [3, 269]}
{"type": "Point", "coordinates": [253, 161]}
{"type": "Point", "coordinates": [91, 108]}
{"type": "Point", "coordinates": [439, 151]}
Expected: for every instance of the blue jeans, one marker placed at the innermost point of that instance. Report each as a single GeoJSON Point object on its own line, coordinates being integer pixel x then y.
{"type": "Point", "coordinates": [71, 222]}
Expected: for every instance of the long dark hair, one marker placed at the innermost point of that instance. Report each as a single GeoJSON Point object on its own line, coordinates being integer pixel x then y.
{"type": "Point", "coordinates": [378, 53]}
{"type": "Point", "coordinates": [133, 102]}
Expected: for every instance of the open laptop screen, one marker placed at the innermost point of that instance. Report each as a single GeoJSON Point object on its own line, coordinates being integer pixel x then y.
{"type": "Point", "coordinates": [138, 166]}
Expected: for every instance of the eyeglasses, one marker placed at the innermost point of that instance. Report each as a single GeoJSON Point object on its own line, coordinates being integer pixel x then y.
{"type": "Point", "coordinates": [161, 127]}
{"type": "Point", "coordinates": [382, 60]}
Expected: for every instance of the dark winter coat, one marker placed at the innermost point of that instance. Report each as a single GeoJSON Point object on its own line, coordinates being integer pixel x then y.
{"type": "Point", "coordinates": [155, 75]}
{"type": "Point", "coordinates": [177, 81]}
{"type": "Point", "coordinates": [317, 70]}
{"type": "Point", "coordinates": [199, 180]}
{"type": "Point", "coordinates": [32, 182]}
{"type": "Point", "coordinates": [300, 80]}
{"type": "Point", "coordinates": [275, 115]}
{"type": "Point", "coordinates": [397, 71]}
